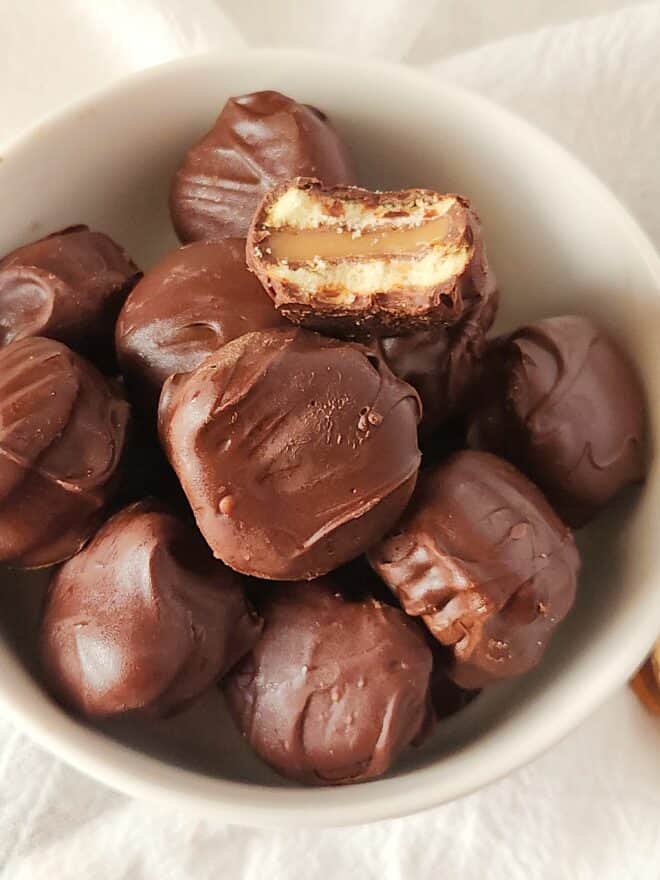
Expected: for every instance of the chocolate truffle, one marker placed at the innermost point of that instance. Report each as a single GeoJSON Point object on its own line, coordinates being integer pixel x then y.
{"type": "Point", "coordinates": [562, 402]}
{"type": "Point", "coordinates": [258, 141]}
{"type": "Point", "coordinates": [483, 559]}
{"type": "Point", "coordinates": [296, 451]}
{"type": "Point", "coordinates": [194, 301]}
{"type": "Point", "coordinates": [62, 435]}
{"type": "Point", "coordinates": [351, 262]}
{"type": "Point", "coordinates": [335, 689]}
{"type": "Point", "coordinates": [142, 618]}
{"type": "Point", "coordinates": [68, 286]}
{"type": "Point", "coordinates": [442, 364]}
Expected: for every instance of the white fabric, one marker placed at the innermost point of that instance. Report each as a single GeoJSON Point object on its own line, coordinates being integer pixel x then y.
{"type": "Point", "coordinates": [590, 808]}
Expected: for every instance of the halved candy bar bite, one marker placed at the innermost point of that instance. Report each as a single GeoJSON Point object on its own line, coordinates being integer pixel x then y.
{"type": "Point", "coordinates": [349, 261]}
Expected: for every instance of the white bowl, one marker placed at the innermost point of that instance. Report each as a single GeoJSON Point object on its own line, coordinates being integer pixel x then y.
{"type": "Point", "coordinates": [559, 242]}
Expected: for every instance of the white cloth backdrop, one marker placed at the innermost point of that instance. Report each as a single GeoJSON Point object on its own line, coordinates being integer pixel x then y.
{"type": "Point", "coordinates": [590, 808]}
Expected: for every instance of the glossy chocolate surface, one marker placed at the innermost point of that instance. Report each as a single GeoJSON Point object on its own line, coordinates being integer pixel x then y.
{"type": "Point", "coordinates": [62, 437]}
{"type": "Point", "coordinates": [68, 286]}
{"type": "Point", "coordinates": [562, 402]}
{"type": "Point", "coordinates": [335, 689]}
{"type": "Point", "coordinates": [485, 562]}
{"type": "Point", "coordinates": [142, 618]}
{"type": "Point", "coordinates": [296, 451]}
{"type": "Point", "coordinates": [192, 302]}
{"type": "Point", "coordinates": [258, 141]}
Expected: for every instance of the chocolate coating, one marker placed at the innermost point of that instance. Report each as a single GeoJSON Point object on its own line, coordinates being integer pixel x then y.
{"type": "Point", "coordinates": [335, 689]}
{"type": "Point", "coordinates": [485, 562]}
{"type": "Point", "coordinates": [442, 364]}
{"type": "Point", "coordinates": [190, 304]}
{"type": "Point", "coordinates": [68, 286]}
{"type": "Point", "coordinates": [62, 436]}
{"type": "Point", "coordinates": [296, 451]}
{"type": "Point", "coordinates": [257, 141]}
{"type": "Point", "coordinates": [142, 618]}
{"type": "Point", "coordinates": [562, 402]}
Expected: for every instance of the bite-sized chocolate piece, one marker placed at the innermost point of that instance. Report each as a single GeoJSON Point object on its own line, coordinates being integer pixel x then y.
{"type": "Point", "coordinates": [195, 300]}
{"type": "Point", "coordinates": [335, 689]}
{"type": "Point", "coordinates": [62, 435]}
{"type": "Point", "coordinates": [258, 141]}
{"type": "Point", "coordinates": [68, 286]}
{"type": "Point", "coordinates": [142, 618]}
{"type": "Point", "coordinates": [483, 559]}
{"type": "Point", "coordinates": [562, 402]}
{"type": "Point", "coordinates": [443, 364]}
{"type": "Point", "coordinates": [350, 262]}
{"type": "Point", "coordinates": [296, 451]}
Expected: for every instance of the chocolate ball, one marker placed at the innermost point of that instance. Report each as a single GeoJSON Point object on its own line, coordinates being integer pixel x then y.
{"type": "Point", "coordinates": [190, 304]}
{"type": "Point", "coordinates": [296, 451]}
{"type": "Point", "coordinates": [335, 689]}
{"type": "Point", "coordinates": [442, 364]}
{"type": "Point", "coordinates": [62, 436]}
{"type": "Point", "coordinates": [483, 559]}
{"type": "Point", "coordinates": [562, 402]}
{"type": "Point", "coordinates": [142, 618]}
{"type": "Point", "coordinates": [258, 140]}
{"type": "Point", "coordinates": [68, 286]}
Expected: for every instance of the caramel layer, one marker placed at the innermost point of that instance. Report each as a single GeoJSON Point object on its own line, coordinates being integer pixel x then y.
{"type": "Point", "coordinates": [328, 244]}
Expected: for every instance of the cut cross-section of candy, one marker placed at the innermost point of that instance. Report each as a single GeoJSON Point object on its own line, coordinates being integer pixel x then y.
{"type": "Point", "coordinates": [350, 261]}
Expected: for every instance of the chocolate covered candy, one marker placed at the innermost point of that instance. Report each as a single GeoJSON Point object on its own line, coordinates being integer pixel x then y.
{"type": "Point", "coordinates": [443, 364]}
{"type": "Point", "coordinates": [296, 451]}
{"type": "Point", "coordinates": [562, 402]}
{"type": "Point", "coordinates": [348, 261]}
{"type": "Point", "coordinates": [258, 141]}
{"type": "Point", "coordinates": [68, 286]}
{"type": "Point", "coordinates": [142, 618]}
{"type": "Point", "coordinates": [191, 303]}
{"type": "Point", "coordinates": [482, 558]}
{"type": "Point", "coordinates": [62, 435]}
{"type": "Point", "coordinates": [335, 689]}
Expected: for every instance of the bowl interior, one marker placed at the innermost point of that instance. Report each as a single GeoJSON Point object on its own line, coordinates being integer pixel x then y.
{"type": "Point", "coordinates": [558, 242]}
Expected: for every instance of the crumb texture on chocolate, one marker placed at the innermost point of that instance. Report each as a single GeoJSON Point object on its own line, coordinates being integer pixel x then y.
{"type": "Point", "coordinates": [296, 451]}
{"type": "Point", "coordinates": [482, 558]}
{"type": "Point", "coordinates": [335, 689]}
{"type": "Point", "coordinates": [68, 286]}
{"type": "Point", "coordinates": [62, 436]}
{"type": "Point", "coordinates": [142, 618]}
{"type": "Point", "coordinates": [345, 258]}
{"type": "Point", "coordinates": [196, 299]}
{"type": "Point", "coordinates": [257, 141]}
{"type": "Point", "coordinates": [561, 400]}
